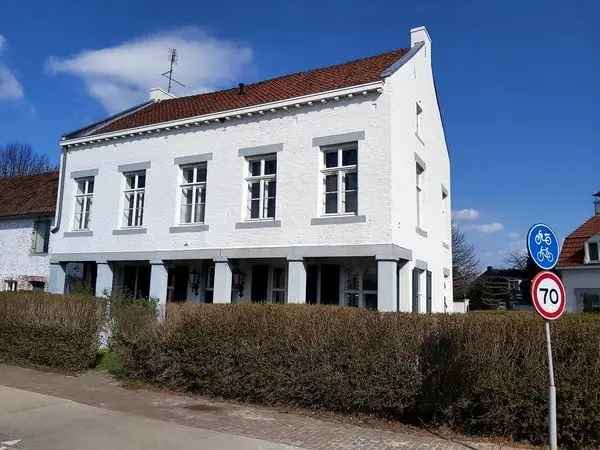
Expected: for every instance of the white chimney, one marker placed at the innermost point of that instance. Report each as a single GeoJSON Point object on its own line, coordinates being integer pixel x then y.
{"type": "Point", "coordinates": [419, 34]}
{"type": "Point", "coordinates": [157, 94]}
{"type": "Point", "coordinates": [597, 203]}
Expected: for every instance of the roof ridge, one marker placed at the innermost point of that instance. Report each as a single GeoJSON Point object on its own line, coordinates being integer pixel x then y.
{"type": "Point", "coordinates": [292, 74]}
{"type": "Point", "coordinates": [31, 175]}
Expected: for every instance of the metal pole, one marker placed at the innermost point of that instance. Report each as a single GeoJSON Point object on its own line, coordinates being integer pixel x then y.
{"type": "Point", "coordinates": [552, 392]}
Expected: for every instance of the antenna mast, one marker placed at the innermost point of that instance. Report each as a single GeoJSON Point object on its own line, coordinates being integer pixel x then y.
{"type": "Point", "coordinates": [169, 73]}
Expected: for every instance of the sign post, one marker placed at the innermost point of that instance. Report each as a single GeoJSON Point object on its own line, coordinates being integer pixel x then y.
{"type": "Point", "coordinates": [549, 300]}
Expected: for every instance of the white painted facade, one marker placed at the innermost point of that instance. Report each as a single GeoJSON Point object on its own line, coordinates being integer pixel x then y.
{"type": "Point", "coordinates": [21, 267]}
{"type": "Point", "coordinates": [384, 234]}
{"type": "Point", "coordinates": [582, 282]}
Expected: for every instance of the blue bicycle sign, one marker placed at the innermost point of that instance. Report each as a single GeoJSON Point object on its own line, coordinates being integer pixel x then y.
{"type": "Point", "coordinates": [543, 246]}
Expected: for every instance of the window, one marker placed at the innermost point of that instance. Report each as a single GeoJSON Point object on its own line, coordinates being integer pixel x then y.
{"type": "Point", "coordinates": [278, 285]}
{"type": "Point", "coordinates": [38, 286]}
{"type": "Point", "coordinates": [419, 121]}
{"type": "Point", "coordinates": [40, 237]}
{"type": "Point", "coordinates": [10, 285]}
{"type": "Point", "coordinates": [360, 289]}
{"type": "Point", "coordinates": [193, 194]}
{"type": "Point", "coordinates": [209, 287]}
{"type": "Point", "coordinates": [262, 187]}
{"type": "Point", "coordinates": [419, 186]}
{"type": "Point", "coordinates": [513, 285]}
{"type": "Point", "coordinates": [83, 203]}
{"type": "Point", "coordinates": [135, 185]}
{"type": "Point", "coordinates": [340, 179]}
{"type": "Point", "coordinates": [593, 251]}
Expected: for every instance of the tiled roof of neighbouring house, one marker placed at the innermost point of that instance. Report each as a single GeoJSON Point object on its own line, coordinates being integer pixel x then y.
{"type": "Point", "coordinates": [340, 76]}
{"type": "Point", "coordinates": [28, 195]}
{"type": "Point", "coordinates": [572, 252]}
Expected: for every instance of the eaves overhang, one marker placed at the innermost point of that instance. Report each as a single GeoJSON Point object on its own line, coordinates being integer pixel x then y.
{"type": "Point", "coordinates": [280, 106]}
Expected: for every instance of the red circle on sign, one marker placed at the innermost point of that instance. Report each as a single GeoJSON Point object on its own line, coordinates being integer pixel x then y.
{"type": "Point", "coordinates": [535, 284]}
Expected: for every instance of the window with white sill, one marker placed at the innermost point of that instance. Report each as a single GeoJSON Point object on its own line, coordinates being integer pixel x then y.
{"type": "Point", "coordinates": [134, 196]}
{"type": "Point", "coordinates": [419, 122]}
{"type": "Point", "coordinates": [40, 237]}
{"type": "Point", "coordinates": [193, 194]}
{"type": "Point", "coordinates": [261, 183]}
{"type": "Point", "coordinates": [340, 179]}
{"type": "Point", "coordinates": [84, 196]}
{"type": "Point", "coordinates": [420, 171]}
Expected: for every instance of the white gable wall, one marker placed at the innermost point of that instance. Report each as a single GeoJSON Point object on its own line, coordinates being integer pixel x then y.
{"type": "Point", "coordinates": [16, 260]}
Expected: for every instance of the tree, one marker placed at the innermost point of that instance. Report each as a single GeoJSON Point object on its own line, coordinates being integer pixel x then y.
{"type": "Point", "coordinates": [517, 260]}
{"type": "Point", "coordinates": [18, 159]}
{"type": "Point", "coordinates": [465, 263]}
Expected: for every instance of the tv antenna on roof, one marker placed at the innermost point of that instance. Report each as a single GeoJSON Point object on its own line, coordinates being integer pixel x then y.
{"type": "Point", "coordinates": [169, 73]}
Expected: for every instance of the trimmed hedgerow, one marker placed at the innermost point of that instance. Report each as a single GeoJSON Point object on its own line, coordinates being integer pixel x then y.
{"type": "Point", "coordinates": [482, 373]}
{"type": "Point", "coordinates": [50, 330]}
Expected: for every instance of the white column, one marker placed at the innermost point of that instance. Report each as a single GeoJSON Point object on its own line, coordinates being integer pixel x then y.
{"type": "Point", "coordinates": [387, 285]}
{"type": "Point", "coordinates": [58, 276]}
{"type": "Point", "coordinates": [223, 279]}
{"type": "Point", "coordinates": [158, 285]}
{"type": "Point", "coordinates": [405, 269]}
{"type": "Point", "coordinates": [296, 281]}
{"type": "Point", "coordinates": [104, 279]}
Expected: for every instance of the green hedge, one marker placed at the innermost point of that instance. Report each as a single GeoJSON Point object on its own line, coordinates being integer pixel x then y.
{"type": "Point", "coordinates": [50, 330]}
{"type": "Point", "coordinates": [482, 373]}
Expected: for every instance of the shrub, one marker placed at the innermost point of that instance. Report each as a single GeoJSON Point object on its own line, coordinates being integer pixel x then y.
{"type": "Point", "coordinates": [482, 373]}
{"type": "Point", "coordinates": [50, 330]}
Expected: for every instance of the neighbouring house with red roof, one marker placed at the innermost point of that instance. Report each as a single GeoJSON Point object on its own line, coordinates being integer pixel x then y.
{"type": "Point", "coordinates": [579, 264]}
{"type": "Point", "coordinates": [27, 205]}
{"type": "Point", "coordinates": [330, 186]}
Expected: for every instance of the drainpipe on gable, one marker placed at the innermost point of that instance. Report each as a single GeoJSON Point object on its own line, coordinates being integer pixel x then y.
{"type": "Point", "coordinates": [59, 196]}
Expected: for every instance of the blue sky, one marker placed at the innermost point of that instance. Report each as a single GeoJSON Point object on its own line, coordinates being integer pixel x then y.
{"type": "Point", "coordinates": [518, 82]}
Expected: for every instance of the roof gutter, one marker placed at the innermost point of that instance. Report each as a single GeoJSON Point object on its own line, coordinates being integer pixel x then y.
{"type": "Point", "coordinates": [59, 197]}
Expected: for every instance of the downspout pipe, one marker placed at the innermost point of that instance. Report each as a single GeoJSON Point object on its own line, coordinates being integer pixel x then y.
{"type": "Point", "coordinates": [61, 185]}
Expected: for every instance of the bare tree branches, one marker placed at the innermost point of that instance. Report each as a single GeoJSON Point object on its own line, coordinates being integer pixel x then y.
{"type": "Point", "coordinates": [18, 159]}
{"type": "Point", "coordinates": [465, 263]}
{"type": "Point", "coordinates": [516, 260]}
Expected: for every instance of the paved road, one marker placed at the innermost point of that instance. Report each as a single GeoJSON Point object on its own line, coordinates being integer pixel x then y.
{"type": "Point", "coordinates": [31, 421]}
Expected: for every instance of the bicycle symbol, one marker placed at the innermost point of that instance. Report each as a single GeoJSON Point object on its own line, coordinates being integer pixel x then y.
{"type": "Point", "coordinates": [544, 253]}
{"type": "Point", "coordinates": [543, 237]}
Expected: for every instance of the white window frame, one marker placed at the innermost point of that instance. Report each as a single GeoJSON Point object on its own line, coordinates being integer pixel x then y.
{"type": "Point", "coordinates": [419, 185]}
{"type": "Point", "coordinates": [86, 196]}
{"type": "Point", "coordinates": [198, 188]}
{"type": "Point", "coordinates": [263, 180]}
{"type": "Point", "coordinates": [11, 285]}
{"type": "Point", "coordinates": [136, 211]}
{"type": "Point", "coordinates": [589, 253]}
{"type": "Point", "coordinates": [341, 171]}
{"type": "Point", "coordinates": [34, 235]}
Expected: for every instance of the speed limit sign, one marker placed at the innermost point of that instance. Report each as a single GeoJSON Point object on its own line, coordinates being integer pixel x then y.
{"type": "Point", "coordinates": [548, 295]}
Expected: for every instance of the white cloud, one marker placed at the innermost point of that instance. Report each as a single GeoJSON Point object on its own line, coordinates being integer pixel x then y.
{"type": "Point", "coordinates": [121, 76]}
{"type": "Point", "coordinates": [10, 87]}
{"type": "Point", "coordinates": [468, 214]}
{"type": "Point", "coordinates": [486, 228]}
{"type": "Point", "coordinates": [514, 235]}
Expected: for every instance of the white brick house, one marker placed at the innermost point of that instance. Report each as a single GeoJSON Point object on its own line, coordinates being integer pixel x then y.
{"type": "Point", "coordinates": [326, 186]}
{"type": "Point", "coordinates": [26, 211]}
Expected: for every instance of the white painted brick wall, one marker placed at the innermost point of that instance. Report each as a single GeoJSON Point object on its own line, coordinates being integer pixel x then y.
{"type": "Point", "coordinates": [16, 259]}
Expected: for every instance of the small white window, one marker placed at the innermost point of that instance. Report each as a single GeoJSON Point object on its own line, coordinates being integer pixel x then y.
{"type": "Point", "coordinates": [340, 179]}
{"type": "Point", "coordinates": [419, 187]}
{"type": "Point", "coordinates": [84, 197]}
{"type": "Point", "coordinates": [40, 237]}
{"type": "Point", "coordinates": [419, 121]}
{"type": "Point", "coordinates": [193, 194]}
{"type": "Point", "coordinates": [593, 251]}
{"type": "Point", "coordinates": [10, 285]}
{"type": "Point", "coordinates": [262, 187]}
{"type": "Point", "coordinates": [133, 211]}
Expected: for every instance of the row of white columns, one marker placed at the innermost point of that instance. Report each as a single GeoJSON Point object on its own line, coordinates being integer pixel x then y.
{"type": "Point", "coordinates": [394, 283]}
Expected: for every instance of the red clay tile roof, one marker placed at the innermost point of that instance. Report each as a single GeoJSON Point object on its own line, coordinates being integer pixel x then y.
{"type": "Point", "coordinates": [345, 75]}
{"type": "Point", "coordinates": [29, 195]}
{"type": "Point", "coordinates": [572, 252]}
